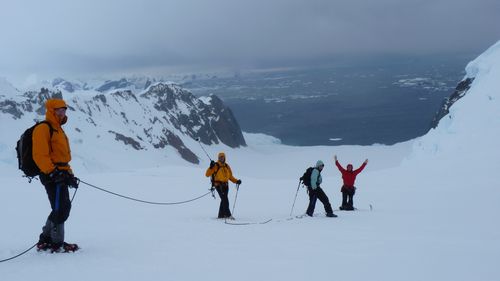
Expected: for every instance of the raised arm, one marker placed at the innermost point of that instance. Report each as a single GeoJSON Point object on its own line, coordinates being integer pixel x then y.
{"type": "Point", "coordinates": [211, 170]}
{"type": "Point", "coordinates": [358, 170]}
{"type": "Point", "coordinates": [341, 169]}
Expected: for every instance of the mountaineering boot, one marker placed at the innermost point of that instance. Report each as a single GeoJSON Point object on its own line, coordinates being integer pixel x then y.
{"type": "Point", "coordinates": [67, 247]}
{"type": "Point", "coordinates": [43, 246]}
{"type": "Point", "coordinates": [331, 215]}
{"type": "Point", "coordinates": [230, 218]}
{"type": "Point", "coordinates": [64, 248]}
{"type": "Point", "coordinates": [44, 243]}
{"type": "Point", "coordinates": [55, 248]}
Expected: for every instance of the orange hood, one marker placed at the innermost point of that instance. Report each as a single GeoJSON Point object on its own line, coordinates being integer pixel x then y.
{"type": "Point", "coordinates": [50, 115]}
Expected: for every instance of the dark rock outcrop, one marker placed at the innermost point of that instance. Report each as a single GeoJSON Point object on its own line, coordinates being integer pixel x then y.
{"type": "Point", "coordinates": [111, 85]}
{"type": "Point", "coordinates": [127, 140]}
{"type": "Point", "coordinates": [459, 92]}
{"type": "Point", "coordinates": [225, 126]}
{"type": "Point", "coordinates": [210, 123]}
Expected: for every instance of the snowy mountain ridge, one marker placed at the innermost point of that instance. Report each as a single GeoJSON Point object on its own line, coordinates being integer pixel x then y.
{"type": "Point", "coordinates": [161, 116]}
{"type": "Point", "coordinates": [471, 116]}
{"type": "Point", "coordinates": [135, 83]}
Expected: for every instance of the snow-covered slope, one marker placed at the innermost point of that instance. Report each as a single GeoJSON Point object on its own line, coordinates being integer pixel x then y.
{"type": "Point", "coordinates": [470, 130]}
{"type": "Point", "coordinates": [435, 211]}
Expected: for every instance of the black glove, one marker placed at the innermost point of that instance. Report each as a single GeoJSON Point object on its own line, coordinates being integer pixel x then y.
{"type": "Point", "coordinates": [212, 164]}
{"type": "Point", "coordinates": [64, 177]}
{"type": "Point", "coordinates": [238, 182]}
{"type": "Point", "coordinates": [58, 176]}
{"type": "Point", "coordinates": [73, 181]}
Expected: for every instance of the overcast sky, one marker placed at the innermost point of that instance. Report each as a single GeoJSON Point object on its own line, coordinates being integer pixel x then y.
{"type": "Point", "coordinates": [77, 37]}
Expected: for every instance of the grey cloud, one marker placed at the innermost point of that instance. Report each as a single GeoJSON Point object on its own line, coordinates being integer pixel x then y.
{"type": "Point", "coordinates": [85, 36]}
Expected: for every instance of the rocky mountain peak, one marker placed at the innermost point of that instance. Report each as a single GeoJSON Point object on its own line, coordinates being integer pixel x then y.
{"type": "Point", "coordinates": [163, 115]}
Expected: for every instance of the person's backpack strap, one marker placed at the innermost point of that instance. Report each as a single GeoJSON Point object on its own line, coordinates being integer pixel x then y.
{"type": "Point", "coordinates": [215, 173]}
{"type": "Point", "coordinates": [51, 130]}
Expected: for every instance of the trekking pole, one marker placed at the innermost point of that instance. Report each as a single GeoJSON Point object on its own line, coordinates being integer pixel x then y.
{"type": "Point", "coordinates": [295, 198]}
{"type": "Point", "coordinates": [198, 140]}
{"type": "Point", "coordinates": [212, 189]}
{"type": "Point", "coordinates": [236, 197]}
{"type": "Point", "coordinates": [74, 194]}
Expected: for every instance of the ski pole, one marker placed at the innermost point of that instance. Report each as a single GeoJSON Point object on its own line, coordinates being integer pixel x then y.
{"type": "Point", "coordinates": [198, 140]}
{"type": "Point", "coordinates": [295, 198]}
{"type": "Point", "coordinates": [236, 197]}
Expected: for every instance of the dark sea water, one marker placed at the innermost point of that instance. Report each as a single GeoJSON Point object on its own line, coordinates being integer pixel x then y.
{"type": "Point", "coordinates": [363, 102]}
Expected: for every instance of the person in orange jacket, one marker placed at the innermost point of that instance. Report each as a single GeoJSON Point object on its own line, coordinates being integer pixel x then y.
{"type": "Point", "coordinates": [348, 189]}
{"type": "Point", "coordinates": [221, 173]}
{"type": "Point", "coordinates": [52, 154]}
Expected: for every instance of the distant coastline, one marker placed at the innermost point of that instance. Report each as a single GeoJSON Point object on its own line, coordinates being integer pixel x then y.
{"type": "Point", "coordinates": [362, 104]}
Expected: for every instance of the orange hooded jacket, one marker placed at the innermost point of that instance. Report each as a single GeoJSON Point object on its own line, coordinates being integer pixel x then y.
{"type": "Point", "coordinates": [222, 172]}
{"type": "Point", "coordinates": [51, 152]}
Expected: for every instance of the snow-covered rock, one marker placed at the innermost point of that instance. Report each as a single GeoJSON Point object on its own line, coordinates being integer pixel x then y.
{"type": "Point", "coordinates": [470, 121]}
{"type": "Point", "coordinates": [163, 115]}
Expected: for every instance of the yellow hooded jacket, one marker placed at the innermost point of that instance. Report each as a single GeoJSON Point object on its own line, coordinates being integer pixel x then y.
{"type": "Point", "coordinates": [51, 152]}
{"type": "Point", "coordinates": [222, 172]}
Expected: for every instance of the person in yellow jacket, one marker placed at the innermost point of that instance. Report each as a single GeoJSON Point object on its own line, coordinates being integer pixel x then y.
{"type": "Point", "coordinates": [52, 154]}
{"type": "Point", "coordinates": [221, 173]}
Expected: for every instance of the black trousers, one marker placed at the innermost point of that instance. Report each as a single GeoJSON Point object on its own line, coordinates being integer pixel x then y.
{"type": "Point", "coordinates": [314, 195]}
{"type": "Point", "coordinates": [60, 204]}
{"type": "Point", "coordinates": [347, 196]}
{"type": "Point", "coordinates": [223, 190]}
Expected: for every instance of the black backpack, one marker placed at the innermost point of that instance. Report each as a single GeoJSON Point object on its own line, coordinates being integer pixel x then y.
{"type": "Point", "coordinates": [306, 177]}
{"type": "Point", "coordinates": [24, 150]}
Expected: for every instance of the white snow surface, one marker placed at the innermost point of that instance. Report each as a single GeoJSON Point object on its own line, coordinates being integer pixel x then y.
{"type": "Point", "coordinates": [435, 209]}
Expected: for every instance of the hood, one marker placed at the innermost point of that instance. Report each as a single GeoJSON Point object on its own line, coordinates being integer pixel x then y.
{"type": "Point", "coordinates": [221, 154]}
{"type": "Point", "coordinates": [319, 163]}
{"type": "Point", "coordinates": [50, 106]}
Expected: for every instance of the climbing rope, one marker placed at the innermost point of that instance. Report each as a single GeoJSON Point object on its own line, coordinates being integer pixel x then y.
{"type": "Point", "coordinates": [119, 195]}
{"type": "Point", "coordinates": [18, 255]}
{"type": "Point", "coordinates": [144, 201]}
{"type": "Point", "coordinates": [27, 250]}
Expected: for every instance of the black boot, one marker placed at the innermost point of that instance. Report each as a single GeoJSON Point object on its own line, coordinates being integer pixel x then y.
{"type": "Point", "coordinates": [331, 215]}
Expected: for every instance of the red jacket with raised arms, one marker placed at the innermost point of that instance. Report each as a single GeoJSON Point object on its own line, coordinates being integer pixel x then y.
{"type": "Point", "coordinates": [349, 177]}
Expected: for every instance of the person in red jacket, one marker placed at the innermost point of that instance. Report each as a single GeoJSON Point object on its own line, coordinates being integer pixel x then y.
{"type": "Point", "coordinates": [348, 189]}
